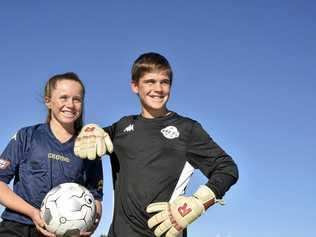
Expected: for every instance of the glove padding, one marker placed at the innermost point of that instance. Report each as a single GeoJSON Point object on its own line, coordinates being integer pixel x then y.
{"type": "Point", "coordinates": [92, 141]}
{"type": "Point", "coordinates": [175, 216]}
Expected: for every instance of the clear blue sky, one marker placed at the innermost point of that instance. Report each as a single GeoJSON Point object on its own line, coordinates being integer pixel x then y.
{"type": "Point", "coordinates": [244, 69]}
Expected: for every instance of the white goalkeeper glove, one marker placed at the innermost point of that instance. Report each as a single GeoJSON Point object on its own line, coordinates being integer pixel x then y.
{"type": "Point", "coordinates": [92, 141]}
{"type": "Point", "coordinates": [175, 216]}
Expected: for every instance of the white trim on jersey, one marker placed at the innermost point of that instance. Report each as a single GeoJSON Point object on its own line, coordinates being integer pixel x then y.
{"type": "Point", "coordinates": [4, 164]}
{"type": "Point", "coordinates": [183, 181]}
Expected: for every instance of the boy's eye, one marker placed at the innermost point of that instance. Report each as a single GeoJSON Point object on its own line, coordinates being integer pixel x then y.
{"type": "Point", "coordinates": [166, 82]}
{"type": "Point", "coordinates": [63, 97]}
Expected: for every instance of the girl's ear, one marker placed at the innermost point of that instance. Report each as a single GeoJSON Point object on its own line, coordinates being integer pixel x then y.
{"type": "Point", "coordinates": [47, 102]}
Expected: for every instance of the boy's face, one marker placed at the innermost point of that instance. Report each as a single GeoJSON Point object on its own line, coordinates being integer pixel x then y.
{"type": "Point", "coordinates": [153, 90]}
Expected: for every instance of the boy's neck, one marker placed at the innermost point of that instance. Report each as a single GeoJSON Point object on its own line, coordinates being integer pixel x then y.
{"type": "Point", "coordinates": [155, 114]}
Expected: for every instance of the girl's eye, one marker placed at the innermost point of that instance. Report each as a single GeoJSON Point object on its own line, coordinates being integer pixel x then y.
{"type": "Point", "coordinates": [77, 99]}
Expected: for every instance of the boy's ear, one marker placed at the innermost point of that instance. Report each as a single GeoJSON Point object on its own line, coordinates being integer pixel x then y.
{"type": "Point", "coordinates": [134, 87]}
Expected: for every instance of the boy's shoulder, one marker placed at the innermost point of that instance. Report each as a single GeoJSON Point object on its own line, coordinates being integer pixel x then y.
{"type": "Point", "coordinates": [123, 122]}
{"type": "Point", "coordinates": [127, 119]}
{"type": "Point", "coordinates": [186, 119]}
{"type": "Point", "coordinates": [190, 123]}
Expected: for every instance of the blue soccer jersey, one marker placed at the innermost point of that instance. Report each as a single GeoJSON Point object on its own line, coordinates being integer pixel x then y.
{"type": "Point", "coordinates": [37, 162]}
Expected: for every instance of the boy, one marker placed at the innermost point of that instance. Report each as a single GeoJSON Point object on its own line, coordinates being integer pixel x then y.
{"type": "Point", "coordinates": [154, 156]}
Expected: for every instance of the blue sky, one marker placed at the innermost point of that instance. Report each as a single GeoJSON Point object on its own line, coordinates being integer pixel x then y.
{"type": "Point", "coordinates": [244, 69]}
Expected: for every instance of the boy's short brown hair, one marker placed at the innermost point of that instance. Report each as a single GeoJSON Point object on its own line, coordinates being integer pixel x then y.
{"type": "Point", "coordinates": [150, 62]}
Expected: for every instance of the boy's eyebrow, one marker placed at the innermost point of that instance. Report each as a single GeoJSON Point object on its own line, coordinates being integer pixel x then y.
{"type": "Point", "coordinates": [154, 79]}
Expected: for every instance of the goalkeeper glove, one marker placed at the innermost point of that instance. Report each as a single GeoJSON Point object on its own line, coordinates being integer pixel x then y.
{"type": "Point", "coordinates": [176, 215]}
{"type": "Point", "coordinates": [92, 141]}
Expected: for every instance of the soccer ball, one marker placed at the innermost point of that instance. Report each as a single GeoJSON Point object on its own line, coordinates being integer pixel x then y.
{"type": "Point", "coordinates": [68, 209]}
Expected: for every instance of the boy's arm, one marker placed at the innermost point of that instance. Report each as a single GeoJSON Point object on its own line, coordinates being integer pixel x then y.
{"type": "Point", "coordinates": [203, 154]}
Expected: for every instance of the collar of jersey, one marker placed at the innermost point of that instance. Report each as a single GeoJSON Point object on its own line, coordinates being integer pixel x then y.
{"type": "Point", "coordinates": [52, 136]}
{"type": "Point", "coordinates": [159, 119]}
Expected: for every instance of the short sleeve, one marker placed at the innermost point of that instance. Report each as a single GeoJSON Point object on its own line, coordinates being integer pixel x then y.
{"type": "Point", "coordinates": [11, 156]}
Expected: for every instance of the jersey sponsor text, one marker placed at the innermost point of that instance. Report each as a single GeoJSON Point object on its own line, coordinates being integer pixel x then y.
{"type": "Point", "coordinates": [58, 157]}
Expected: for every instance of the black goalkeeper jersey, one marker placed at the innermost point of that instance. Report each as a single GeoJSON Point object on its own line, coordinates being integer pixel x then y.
{"type": "Point", "coordinates": [153, 160]}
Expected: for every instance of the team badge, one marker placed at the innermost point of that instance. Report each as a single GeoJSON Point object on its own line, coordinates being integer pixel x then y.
{"type": "Point", "coordinates": [4, 164]}
{"type": "Point", "coordinates": [170, 132]}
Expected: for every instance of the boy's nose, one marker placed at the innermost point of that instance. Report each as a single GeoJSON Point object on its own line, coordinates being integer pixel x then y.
{"type": "Point", "coordinates": [158, 86]}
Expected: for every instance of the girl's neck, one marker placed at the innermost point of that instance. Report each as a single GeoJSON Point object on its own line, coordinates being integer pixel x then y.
{"type": "Point", "coordinates": [62, 133]}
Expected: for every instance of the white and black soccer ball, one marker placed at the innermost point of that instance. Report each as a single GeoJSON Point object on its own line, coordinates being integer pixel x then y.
{"type": "Point", "coordinates": [68, 209]}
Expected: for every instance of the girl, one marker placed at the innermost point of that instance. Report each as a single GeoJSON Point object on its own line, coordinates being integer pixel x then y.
{"type": "Point", "coordinates": [41, 157]}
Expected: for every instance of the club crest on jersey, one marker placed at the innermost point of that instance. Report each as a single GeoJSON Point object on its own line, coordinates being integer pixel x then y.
{"type": "Point", "coordinates": [129, 128]}
{"type": "Point", "coordinates": [170, 132]}
{"type": "Point", "coordinates": [4, 164]}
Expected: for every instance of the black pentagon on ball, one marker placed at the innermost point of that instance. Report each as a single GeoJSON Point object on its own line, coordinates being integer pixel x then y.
{"type": "Point", "coordinates": [74, 232]}
{"type": "Point", "coordinates": [47, 216]}
{"type": "Point", "coordinates": [88, 199]}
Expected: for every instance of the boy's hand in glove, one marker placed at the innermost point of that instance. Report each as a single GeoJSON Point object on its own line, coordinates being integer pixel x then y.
{"type": "Point", "coordinates": [92, 141]}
